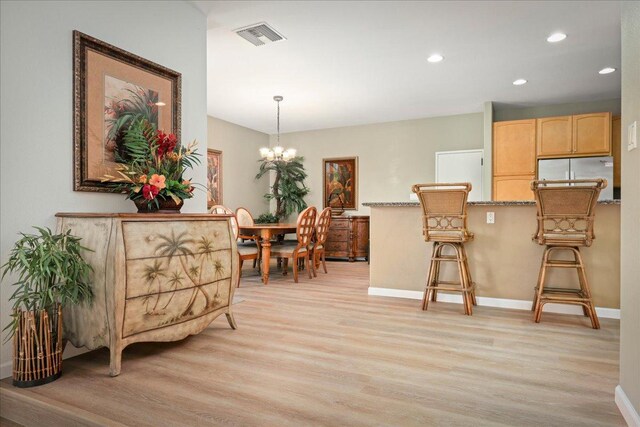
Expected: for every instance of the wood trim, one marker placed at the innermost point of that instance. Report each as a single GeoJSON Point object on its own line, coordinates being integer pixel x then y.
{"type": "Point", "coordinates": [144, 216]}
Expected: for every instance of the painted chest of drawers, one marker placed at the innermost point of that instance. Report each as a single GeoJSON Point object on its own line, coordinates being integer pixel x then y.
{"type": "Point", "coordinates": [155, 278]}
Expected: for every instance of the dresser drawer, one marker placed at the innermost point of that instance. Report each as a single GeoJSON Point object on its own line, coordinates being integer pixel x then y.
{"type": "Point", "coordinates": [150, 312]}
{"type": "Point", "coordinates": [337, 247]}
{"type": "Point", "coordinates": [150, 239]}
{"type": "Point", "coordinates": [338, 235]}
{"type": "Point", "coordinates": [339, 223]}
{"type": "Point", "coordinates": [150, 276]}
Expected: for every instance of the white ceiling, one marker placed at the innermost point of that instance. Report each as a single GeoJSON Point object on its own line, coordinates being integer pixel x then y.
{"type": "Point", "coordinates": [347, 63]}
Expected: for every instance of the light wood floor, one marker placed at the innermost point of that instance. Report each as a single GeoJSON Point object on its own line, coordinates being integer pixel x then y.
{"type": "Point", "coordinates": [323, 352]}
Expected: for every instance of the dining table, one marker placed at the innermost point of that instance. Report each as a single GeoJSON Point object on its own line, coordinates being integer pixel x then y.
{"type": "Point", "coordinates": [266, 232]}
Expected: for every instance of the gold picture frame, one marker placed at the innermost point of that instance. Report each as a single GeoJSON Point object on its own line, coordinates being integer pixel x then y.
{"type": "Point", "coordinates": [214, 177]}
{"type": "Point", "coordinates": [340, 183]}
{"type": "Point", "coordinates": [110, 87]}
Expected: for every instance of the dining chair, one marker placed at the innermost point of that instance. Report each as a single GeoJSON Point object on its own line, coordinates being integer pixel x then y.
{"type": "Point", "coordinates": [244, 217]}
{"type": "Point", "coordinates": [300, 248]}
{"type": "Point", "coordinates": [246, 250]}
{"type": "Point", "coordinates": [444, 223]}
{"type": "Point", "coordinates": [321, 233]}
{"type": "Point", "coordinates": [565, 224]}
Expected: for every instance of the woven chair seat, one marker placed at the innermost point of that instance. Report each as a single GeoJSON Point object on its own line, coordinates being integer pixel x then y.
{"type": "Point", "coordinates": [450, 236]}
{"type": "Point", "coordinates": [247, 250]}
{"type": "Point", "coordinates": [286, 248]}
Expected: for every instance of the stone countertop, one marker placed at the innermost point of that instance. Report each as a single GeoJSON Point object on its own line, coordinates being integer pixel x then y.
{"type": "Point", "coordinates": [482, 203]}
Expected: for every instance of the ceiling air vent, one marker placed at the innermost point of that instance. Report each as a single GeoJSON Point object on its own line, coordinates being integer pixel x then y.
{"type": "Point", "coordinates": [259, 34]}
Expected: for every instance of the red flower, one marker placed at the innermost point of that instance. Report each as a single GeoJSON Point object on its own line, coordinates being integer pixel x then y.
{"type": "Point", "coordinates": [166, 143]}
{"type": "Point", "coordinates": [149, 192]}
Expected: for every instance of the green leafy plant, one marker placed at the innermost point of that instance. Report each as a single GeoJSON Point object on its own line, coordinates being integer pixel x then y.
{"type": "Point", "coordinates": [50, 270]}
{"type": "Point", "coordinates": [267, 218]}
{"type": "Point", "coordinates": [288, 189]}
{"type": "Point", "coordinates": [152, 163]}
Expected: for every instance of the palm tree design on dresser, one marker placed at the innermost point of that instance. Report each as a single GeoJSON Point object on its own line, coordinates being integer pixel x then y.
{"type": "Point", "coordinates": [162, 286]}
{"type": "Point", "coordinates": [152, 274]}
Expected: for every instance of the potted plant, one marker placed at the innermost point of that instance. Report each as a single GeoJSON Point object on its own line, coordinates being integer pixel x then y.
{"type": "Point", "coordinates": [50, 273]}
{"type": "Point", "coordinates": [266, 218]}
{"type": "Point", "coordinates": [150, 168]}
{"type": "Point", "coordinates": [288, 188]}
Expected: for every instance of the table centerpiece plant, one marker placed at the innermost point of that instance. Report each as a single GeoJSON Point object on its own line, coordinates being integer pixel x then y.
{"type": "Point", "coordinates": [50, 273]}
{"type": "Point", "coordinates": [151, 166]}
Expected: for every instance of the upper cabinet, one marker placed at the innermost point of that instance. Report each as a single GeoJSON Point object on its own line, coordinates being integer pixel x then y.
{"type": "Point", "coordinates": [592, 134]}
{"type": "Point", "coordinates": [574, 136]}
{"type": "Point", "coordinates": [616, 149]}
{"type": "Point", "coordinates": [554, 136]}
{"type": "Point", "coordinates": [514, 148]}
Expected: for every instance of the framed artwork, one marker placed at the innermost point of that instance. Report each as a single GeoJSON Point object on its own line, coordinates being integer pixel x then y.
{"type": "Point", "coordinates": [112, 87]}
{"type": "Point", "coordinates": [214, 177]}
{"type": "Point", "coordinates": [340, 183]}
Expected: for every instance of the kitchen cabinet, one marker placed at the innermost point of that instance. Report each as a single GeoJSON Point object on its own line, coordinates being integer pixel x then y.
{"type": "Point", "coordinates": [348, 237]}
{"type": "Point", "coordinates": [616, 144]}
{"type": "Point", "coordinates": [514, 148]}
{"type": "Point", "coordinates": [591, 134]}
{"type": "Point", "coordinates": [517, 187]}
{"type": "Point", "coordinates": [553, 136]}
{"type": "Point", "coordinates": [574, 136]}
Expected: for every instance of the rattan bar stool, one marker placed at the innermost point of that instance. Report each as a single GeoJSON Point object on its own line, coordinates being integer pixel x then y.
{"type": "Point", "coordinates": [444, 222]}
{"type": "Point", "coordinates": [565, 224]}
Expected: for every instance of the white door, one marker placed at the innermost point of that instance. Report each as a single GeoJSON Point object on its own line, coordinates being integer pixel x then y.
{"type": "Point", "coordinates": [461, 166]}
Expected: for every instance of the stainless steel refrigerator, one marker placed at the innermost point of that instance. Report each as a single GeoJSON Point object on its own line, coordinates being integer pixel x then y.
{"type": "Point", "coordinates": [579, 168]}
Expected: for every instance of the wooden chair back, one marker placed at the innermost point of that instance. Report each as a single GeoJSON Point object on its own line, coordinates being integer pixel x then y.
{"type": "Point", "coordinates": [244, 217]}
{"type": "Point", "coordinates": [322, 226]}
{"type": "Point", "coordinates": [566, 210]}
{"type": "Point", "coordinates": [223, 210]}
{"type": "Point", "coordinates": [444, 210]}
{"type": "Point", "coordinates": [305, 226]}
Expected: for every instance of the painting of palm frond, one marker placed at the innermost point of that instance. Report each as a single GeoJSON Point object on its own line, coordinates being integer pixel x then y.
{"type": "Point", "coordinates": [214, 177]}
{"type": "Point", "coordinates": [124, 102]}
{"type": "Point", "coordinates": [340, 183]}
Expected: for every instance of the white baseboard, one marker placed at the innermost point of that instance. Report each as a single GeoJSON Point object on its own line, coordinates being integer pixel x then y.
{"type": "Point", "coordinates": [626, 408]}
{"type": "Point", "coordinates": [606, 313]}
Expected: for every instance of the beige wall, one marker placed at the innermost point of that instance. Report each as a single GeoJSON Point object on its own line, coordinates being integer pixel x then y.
{"type": "Point", "coordinates": [630, 243]}
{"type": "Point", "coordinates": [37, 113]}
{"type": "Point", "coordinates": [392, 156]}
{"type": "Point", "coordinates": [506, 112]}
{"type": "Point", "coordinates": [239, 146]}
{"type": "Point", "coordinates": [503, 260]}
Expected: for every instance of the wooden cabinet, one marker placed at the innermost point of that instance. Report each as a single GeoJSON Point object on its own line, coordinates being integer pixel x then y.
{"type": "Point", "coordinates": [553, 136]}
{"type": "Point", "coordinates": [514, 147]}
{"type": "Point", "coordinates": [516, 187]}
{"type": "Point", "coordinates": [514, 159]}
{"type": "Point", "coordinates": [348, 237]}
{"type": "Point", "coordinates": [592, 134]}
{"type": "Point", "coordinates": [616, 148]}
{"type": "Point", "coordinates": [155, 278]}
{"type": "Point", "coordinates": [574, 136]}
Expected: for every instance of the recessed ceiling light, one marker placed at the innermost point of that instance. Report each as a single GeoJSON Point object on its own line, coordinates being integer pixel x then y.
{"type": "Point", "coordinates": [435, 58]}
{"type": "Point", "coordinates": [519, 82]}
{"type": "Point", "coordinates": [556, 37]}
{"type": "Point", "coordinates": [607, 70]}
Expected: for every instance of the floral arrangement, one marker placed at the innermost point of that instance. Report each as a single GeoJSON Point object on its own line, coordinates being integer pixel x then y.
{"type": "Point", "coordinates": [152, 164]}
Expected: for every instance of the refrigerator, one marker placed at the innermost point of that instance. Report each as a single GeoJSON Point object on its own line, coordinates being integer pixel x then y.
{"type": "Point", "coordinates": [579, 168]}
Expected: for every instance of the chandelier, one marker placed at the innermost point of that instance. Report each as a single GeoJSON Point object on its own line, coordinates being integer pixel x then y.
{"type": "Point", "coordinates": [278, 153]}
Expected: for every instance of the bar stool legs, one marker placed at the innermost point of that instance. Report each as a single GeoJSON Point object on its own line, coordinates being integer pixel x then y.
{"type": "Point", "coordinates": [465, 285]}
{"type": "Point", "coordinates": [545, 294]}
